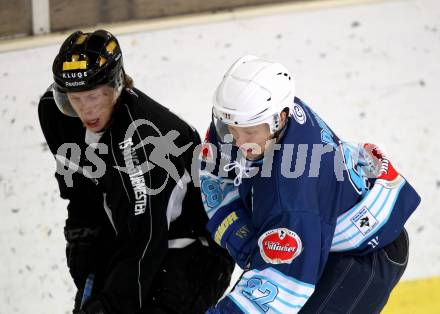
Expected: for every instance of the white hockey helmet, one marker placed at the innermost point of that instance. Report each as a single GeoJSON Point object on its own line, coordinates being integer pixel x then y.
{"type": "Point", "coordinates": [253, 91]}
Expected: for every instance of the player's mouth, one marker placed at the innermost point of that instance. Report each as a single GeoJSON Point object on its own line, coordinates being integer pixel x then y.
{"type": "Point", "coordinates": [250, 152]}
{"type": "Point", "coordinates": [92, 123]}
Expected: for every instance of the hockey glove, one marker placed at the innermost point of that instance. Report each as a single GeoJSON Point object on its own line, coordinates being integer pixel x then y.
{"type": "Point", "coordinates": [231, 227]}
{"type": "Point", "coordinates": [80, 253]}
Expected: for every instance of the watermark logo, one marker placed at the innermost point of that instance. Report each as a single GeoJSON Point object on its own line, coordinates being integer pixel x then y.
{"type": "Point", "coordinates": [137, 163]}
{"type": "Point", "coordinates": [163, 147]}
{"type": "Point", "coordinates": [141, 155]}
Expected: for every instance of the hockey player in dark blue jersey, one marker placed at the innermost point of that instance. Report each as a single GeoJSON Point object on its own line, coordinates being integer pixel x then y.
{"type": "Point", "coordinates": [316, 224]}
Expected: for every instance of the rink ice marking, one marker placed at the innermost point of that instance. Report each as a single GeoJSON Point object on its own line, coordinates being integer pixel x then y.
{"type": "Point", "coordinates": [421, 296]}
{"type": "Point", "coordinates": [128, 27]}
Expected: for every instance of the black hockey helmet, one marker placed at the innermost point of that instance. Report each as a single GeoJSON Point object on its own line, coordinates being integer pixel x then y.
{"type": "Point", "coordinates": [86, 60]}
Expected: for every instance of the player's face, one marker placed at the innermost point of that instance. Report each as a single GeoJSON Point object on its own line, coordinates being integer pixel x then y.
{"type": "Point", "coordinates": [94, 107]}
{"type": "Point", "coordinates": [251, 140]}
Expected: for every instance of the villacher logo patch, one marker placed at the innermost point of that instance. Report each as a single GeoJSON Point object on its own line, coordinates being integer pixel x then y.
{"type": "Point", "coordinates": [279, 246]}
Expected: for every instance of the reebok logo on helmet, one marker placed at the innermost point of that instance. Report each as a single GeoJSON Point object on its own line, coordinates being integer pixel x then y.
{"type": "Point", "coordinates": [74, 84]}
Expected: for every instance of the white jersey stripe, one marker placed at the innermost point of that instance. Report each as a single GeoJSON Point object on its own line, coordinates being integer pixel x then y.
{"type": "Point", "coordinates": [150, 213]}
{"type": "Point", "coordinates": [288, 295]}
{"type": "Point", "coordinates": [377, 215]}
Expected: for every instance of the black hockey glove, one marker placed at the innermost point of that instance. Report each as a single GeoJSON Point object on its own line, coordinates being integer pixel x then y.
{"type": "Point", "coordinates": [80, 253]}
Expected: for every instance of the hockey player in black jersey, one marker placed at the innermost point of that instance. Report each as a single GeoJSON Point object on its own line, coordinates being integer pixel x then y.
{"type": "Point", "coordinates": [136, 224]}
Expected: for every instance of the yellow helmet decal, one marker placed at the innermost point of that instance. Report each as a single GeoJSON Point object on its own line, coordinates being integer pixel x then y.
{"type": "Point", "coordinates": [102, 61]}
{"type": "Point", "coordinates": [80, 40]}
{"type": "Point", "coordinates": [74, 65]}
{"type": "Point", "coordinates": [111, 46]}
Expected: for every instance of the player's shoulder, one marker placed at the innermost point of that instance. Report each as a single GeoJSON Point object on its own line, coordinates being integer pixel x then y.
{"type": "Point", "coordinates": [46, 101]}
{"type": "Point", "coordinates": [153, 116]}
{"type": "Point", "coordinates": [140, 105]}
{"type": "Point", "coordinates": [300, 128]}
{"type": "Point", "coordinates": [48, 95]}
{"type": "Point", "coordinates": [48, 112]}
{"type": "Point", "coordinates": [307, 127]}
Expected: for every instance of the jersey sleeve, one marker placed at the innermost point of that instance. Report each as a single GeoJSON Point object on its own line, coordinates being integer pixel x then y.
{"type": "Point", "coordinates": [387, 201]}
{"type": "Point", "coordinates": [87, 229]}
{"type": "Point", "coordinates": [81, 191]}
{"type": "Point", "coordinates": [230, 224]}
{"type": "Point", "coordinates": [377, 219]}
{"type": "Point", "coordinates": [218, 189]}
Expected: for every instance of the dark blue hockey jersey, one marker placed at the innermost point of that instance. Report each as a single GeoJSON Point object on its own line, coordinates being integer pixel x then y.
{"type": "Point", "coordinates": [310, 195]}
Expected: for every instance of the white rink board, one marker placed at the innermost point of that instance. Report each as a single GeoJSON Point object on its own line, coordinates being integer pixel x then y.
{"type": "Point", "coordinates": [370, 71]}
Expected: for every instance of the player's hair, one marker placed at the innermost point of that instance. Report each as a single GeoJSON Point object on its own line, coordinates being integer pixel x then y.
{"type": "Point", "coordinates": [128, 81]}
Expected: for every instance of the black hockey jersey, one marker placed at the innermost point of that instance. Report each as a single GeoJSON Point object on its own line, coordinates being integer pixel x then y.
{"type": "Point", "coordinates": [133, 185]}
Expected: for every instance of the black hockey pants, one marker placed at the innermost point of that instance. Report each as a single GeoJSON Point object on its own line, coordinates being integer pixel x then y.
{"type": "Point", "coordinates": [359, 284]}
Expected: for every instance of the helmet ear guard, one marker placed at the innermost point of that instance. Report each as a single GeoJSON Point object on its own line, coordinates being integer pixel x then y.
{"type": "Point", "coordinates": [253, 91]}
